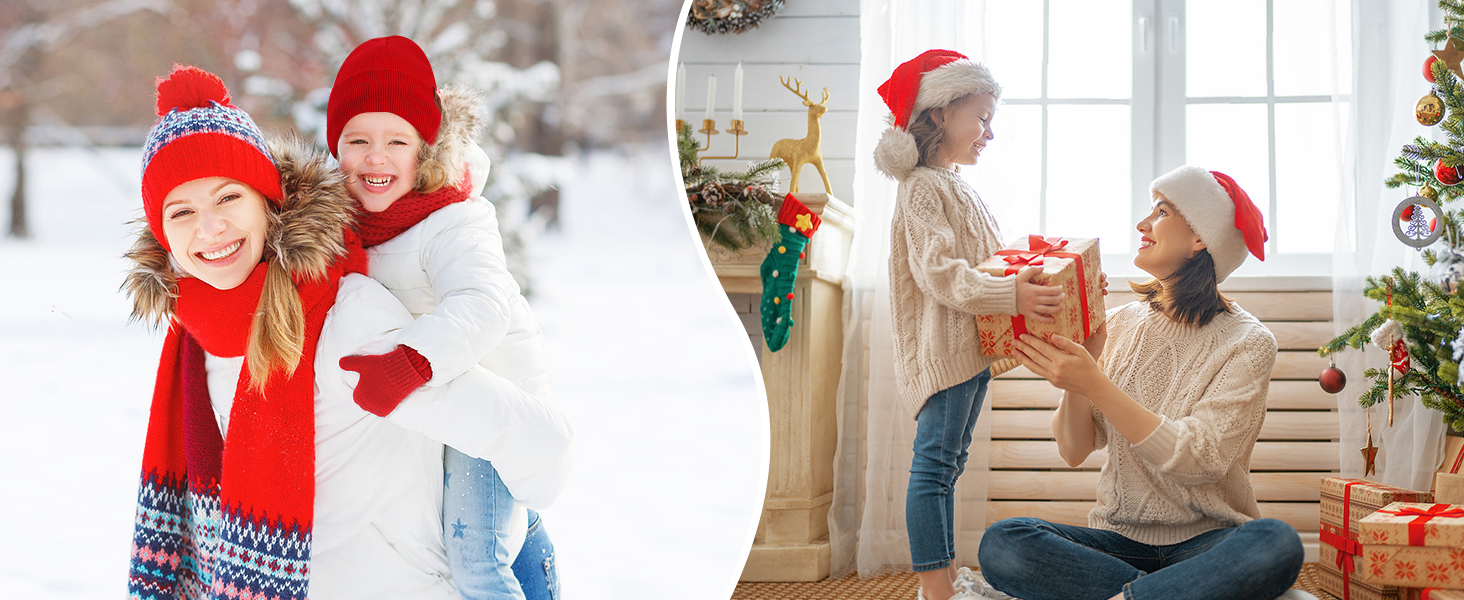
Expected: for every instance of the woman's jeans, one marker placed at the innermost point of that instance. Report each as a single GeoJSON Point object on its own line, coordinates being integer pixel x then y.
{"type": "Point", "coordinates": [942, 435]}
{"type": "Point", "coordinates": [1033, 559]}
{"type": "Point", "coordinates": [476, 507]}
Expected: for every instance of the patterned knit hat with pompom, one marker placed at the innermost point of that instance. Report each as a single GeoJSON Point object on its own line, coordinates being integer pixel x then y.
{"type": "Point", "coordinates": [200, 134]}
{"type": "Point", "coordinates": [934, 79]}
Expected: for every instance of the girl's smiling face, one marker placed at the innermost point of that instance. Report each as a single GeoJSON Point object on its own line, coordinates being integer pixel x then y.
{"type": "Point", "coordinates": [216, 228]}
{"type": "Point", "coordinates": [966, 124]}
{"type": "Point", "coordinates": [1167, 240]}
{"type": "Point", "coordinates": [378, 154]}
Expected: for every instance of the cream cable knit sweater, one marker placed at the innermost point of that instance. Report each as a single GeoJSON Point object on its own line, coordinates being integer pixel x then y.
{"type": "Point", "coordinates": [941, 230]}
{"type": "Point", "coordinates": [1209, 385]}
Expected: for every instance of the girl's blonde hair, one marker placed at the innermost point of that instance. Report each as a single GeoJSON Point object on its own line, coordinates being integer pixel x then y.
{"type": "Point", "coordinates": [431, 175]}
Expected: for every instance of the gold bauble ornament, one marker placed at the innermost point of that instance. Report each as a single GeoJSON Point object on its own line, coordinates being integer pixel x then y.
{"type": "Point", "coordinates": [1429, 192]}
{"type": "Point", "coordinates": [1429, 110]}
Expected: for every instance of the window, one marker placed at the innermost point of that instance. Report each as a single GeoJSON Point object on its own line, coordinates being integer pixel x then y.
{"type": "Point", "coordinates": [1101, 96]}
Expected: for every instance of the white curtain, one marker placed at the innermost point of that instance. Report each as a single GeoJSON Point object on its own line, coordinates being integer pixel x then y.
{"type": "Point", "coordinates": [871, 470]}
{"type": "Point", "coordinates": [1387, 60]}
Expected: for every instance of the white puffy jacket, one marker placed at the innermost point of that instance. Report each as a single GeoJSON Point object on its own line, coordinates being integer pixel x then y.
{"type": "Point", "coordinates": [378, 481]}
{"type": "Point", "coordinates": [450, 273]}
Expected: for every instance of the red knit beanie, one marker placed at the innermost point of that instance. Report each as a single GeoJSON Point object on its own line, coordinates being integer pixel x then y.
{"type": "Point", "coordinates": [200, 134]}
{"type": "Point", "coordinates": [389, 74]}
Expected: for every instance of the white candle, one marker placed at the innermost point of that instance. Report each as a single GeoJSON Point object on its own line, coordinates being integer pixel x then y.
{"type": "Point", "coordinates": [681, 92]}
{"type": "Point", "coordinates": [737, 94]}
{"type": "Point", "coordinates": [711, 95]}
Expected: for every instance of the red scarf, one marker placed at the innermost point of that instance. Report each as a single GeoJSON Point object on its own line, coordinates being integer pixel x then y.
{"type": "Point", "coordinates": [378, 227]}
{"type": "Point", "coordinates": [231, 516]}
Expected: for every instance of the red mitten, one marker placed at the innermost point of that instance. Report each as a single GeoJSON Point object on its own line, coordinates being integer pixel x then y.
{"type": "Point", "coordinates": [386, 379]}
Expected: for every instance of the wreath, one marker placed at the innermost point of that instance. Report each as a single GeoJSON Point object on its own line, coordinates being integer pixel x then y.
{"type": "Point", "coordinates": [730, 16]}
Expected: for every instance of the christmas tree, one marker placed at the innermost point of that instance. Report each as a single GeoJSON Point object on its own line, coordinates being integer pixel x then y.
{"type": "Point", "coordinates": [1419, 323]}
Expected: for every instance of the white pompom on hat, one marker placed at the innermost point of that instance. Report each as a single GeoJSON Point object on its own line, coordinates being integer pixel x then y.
{"type": "Point", "coordinates": [1219, 212]}
{"type": "Point", "coordinates": [934, 79]}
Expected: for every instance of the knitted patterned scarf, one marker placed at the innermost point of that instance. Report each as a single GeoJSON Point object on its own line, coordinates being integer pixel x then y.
{"type": "Point", "coordinates": [230, 518]}
{"type": "Point", "coordinates": [409, 210]}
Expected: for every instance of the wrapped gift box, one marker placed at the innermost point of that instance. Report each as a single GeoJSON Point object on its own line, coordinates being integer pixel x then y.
{"type": "Point", "coordinates": [1432, 594]}
{"type": "Point", "coordinates": [1345, 502]}
{"type": "Point", "coordinates": [1072, 263]}
{"type": "Point", "coordinates": [1413, 544]}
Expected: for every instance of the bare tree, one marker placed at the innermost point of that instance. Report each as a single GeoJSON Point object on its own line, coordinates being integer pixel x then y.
{"type": "Point", "coordinates": [30, 30]}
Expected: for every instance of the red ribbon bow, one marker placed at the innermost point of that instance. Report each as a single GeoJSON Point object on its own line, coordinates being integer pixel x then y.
{"type": "Point", "coordinates": [1416, 531]}
{"type": "Point", "coordinates": [1038, 248]}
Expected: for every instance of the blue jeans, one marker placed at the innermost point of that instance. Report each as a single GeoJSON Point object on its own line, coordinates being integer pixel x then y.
{"type": "Point", "coordinates": [1033, 559]}
{"type": "Point", "coordinates": [534, 566]}
{"type": "Point", "coordinates": [942, 435]}
{"type": "Point", "coordinates": [476, 507]}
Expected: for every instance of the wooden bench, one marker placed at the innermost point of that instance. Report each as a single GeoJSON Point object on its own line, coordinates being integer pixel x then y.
{"type": "Point", "coordinates": [1298, 443]}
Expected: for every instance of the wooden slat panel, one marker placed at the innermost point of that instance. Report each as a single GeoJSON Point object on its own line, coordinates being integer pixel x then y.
{"type": "Point", "coordinates": [1304, 516]}
{"type": "Point", "coordinates": [1083, 485]}
{"type": "Point", "coordinates": [1267, 456]}
{"type": "Point", "coordinates": [1290, 364]}
{"type": "Point", "coordinates": [1037, 424]}
{"type": "Point", "coordinates": [1301, 335]}
{"type": "Point", "coordinates": [1286, 395]}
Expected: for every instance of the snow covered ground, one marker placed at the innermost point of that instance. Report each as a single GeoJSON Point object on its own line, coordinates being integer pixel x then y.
{"type": "Point", "coordinates": [651, 365]}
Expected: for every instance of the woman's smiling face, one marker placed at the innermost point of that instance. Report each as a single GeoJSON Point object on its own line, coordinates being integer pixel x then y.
{"type": "Point", "coordinates": [1167, 240]}
{"type": "Point", "coordinates": [216, 229]}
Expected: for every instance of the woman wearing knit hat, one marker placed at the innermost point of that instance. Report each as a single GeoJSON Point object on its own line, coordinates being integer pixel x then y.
{"type": "Point", "coordinates": [942, 105]}
{"type": "Point", "coordinates": [261, 477]}
{"type": "Point", "coordinates": [1177, 397]}
{"type": "Point", "coordinates": [410, 156]}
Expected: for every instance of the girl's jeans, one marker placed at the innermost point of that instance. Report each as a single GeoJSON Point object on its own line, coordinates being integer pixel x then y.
{"type": "Point", "coordinates": [476, 507]}
{"type": "Point", "coordinates": [535, 564]}
{"type": "Point", "coordinates": [1033, 559]}
{"type": "Point", "coordinates": [942, 435]}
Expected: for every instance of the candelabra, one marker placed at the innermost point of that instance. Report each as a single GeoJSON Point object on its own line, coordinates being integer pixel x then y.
{"type": "Point", "coordinates": [709, 127]}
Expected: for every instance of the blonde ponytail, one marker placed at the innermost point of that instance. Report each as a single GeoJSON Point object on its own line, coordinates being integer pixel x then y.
{"type": "Point", "coordinates": [277, 334]}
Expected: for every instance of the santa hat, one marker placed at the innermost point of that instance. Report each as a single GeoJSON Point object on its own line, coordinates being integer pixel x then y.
{"type": "Point", "coordinates": [934, 79]}
{"type": "Point", "coordinates": [389, 74]}
{"type": "Point", "coordinates": [200, 134]}
{"type": "Point", "coordinates": [1219, 212]}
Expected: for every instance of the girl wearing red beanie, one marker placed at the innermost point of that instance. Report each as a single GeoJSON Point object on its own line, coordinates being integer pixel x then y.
{"type": "Point", "coordinates": [411, 160]}
{"type": "Point", "coordinates": [261, 477]}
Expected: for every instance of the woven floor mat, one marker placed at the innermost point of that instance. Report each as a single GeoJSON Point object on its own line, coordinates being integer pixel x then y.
{"type": "Point", "coordinates": [899, 586]}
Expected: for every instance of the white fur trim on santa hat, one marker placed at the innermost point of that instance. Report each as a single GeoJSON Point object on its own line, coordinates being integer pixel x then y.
{"type": "Point", "coordinates": [896, 153]}
{"type": "Point", "coordinates": [1210, 212]}
{"type": "Point", "coordinates": [953, 81]}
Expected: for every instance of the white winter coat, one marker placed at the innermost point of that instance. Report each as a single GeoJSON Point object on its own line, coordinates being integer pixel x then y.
{"type": "Point", "coordinates": [378, 481]}
{"type": "Point", "coordinates": [449, 271]}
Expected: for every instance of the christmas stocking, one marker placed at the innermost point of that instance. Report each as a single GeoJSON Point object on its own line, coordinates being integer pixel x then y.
{"type": "Point", "coordinates": [796, 224]}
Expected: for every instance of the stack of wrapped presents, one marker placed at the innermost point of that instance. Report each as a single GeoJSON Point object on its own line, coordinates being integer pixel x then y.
{"type": "Point", "coordinates": [1385, 542]}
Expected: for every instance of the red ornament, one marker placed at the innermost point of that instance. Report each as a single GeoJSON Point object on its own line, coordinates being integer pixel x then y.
{"type": "Point", "coordinates": [1447, 175]}
{"type": "Point", "coordinates": [1428, 68]}
{"type": "Point", "coordinates": [1332, 380]}
{"type": "Point", "coordinates": [1433, 224]}
{"type": "Point", "coordinates": [1407, 213]}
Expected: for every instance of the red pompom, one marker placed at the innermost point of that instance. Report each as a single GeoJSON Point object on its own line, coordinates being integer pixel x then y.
{"type": "Point", "coordinates": [188, 88]}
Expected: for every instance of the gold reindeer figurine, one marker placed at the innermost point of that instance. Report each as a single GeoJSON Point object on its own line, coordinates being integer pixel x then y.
{"type": "Point", "coordinates": [797, 153]}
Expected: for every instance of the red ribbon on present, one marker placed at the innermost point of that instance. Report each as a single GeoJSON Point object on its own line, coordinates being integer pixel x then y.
{"type": "Point", "coordinates": [1345, 545]}
{"type": "Point", "coordinates": [1038, 248]}
{"type": "Point", "coordinates": [1416, 531]}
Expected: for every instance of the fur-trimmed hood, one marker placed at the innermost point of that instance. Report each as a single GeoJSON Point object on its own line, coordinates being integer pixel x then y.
{"type": "Point", "coordinates": [463, 120]}
{"type": "Point", "coordinates": [307, 233]}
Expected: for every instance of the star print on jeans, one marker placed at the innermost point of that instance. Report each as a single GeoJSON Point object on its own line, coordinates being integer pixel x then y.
{"type": "Point", "coordinates": [457, 528]}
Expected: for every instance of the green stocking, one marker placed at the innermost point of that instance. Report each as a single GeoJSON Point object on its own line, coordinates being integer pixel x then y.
{"type": "Point", "coordinates": [779, 270]}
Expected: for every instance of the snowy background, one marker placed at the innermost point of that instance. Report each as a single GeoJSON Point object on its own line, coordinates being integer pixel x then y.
{"type": "Point", "coordinates": [651, 365]}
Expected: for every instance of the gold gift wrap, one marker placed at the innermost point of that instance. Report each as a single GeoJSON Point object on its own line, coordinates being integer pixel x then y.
{"type": "Point", "coordinates": [1356, 499]}
{"type": "Point", "coordinates": [1413, 544]}
{"type": "Point", "coordinates": [1059, 258]}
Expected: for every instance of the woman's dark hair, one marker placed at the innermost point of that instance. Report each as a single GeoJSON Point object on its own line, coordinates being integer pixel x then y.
{"type": "Point", "coordinates": [1189, 295]}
